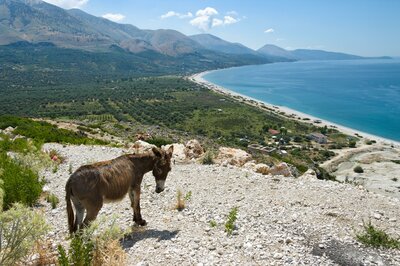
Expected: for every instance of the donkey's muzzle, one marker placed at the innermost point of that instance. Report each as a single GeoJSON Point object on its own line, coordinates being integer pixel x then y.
{"type": "Point", "coordinates": [160, 186]}
{"type": "Point", "coordinates": [159, 190]}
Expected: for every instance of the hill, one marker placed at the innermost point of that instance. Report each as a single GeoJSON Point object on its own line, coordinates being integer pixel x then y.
{"type": "Point", "coordinates": [217, 44]}
{"type": "Point", "coordinates": [156, 51]}
{"type": "Point", "coordinates": [308, 54]}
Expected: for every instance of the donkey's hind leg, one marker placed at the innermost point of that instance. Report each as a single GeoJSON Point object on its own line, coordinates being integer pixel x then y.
{"type": "Point", "coordinates": [92, 209]}
{"type": "Point", "coordinates": [80, 212]}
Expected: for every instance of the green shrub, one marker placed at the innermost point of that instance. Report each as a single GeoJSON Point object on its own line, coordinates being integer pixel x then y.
{"type": "Point", "coordinates": [352, 143]}
{"type": "Point", "coordinates": [53, 200]}
{"type": "Point", "coordinates": [159, 141]}
{"type": "Point", "coordinates": [80, 252]}
{"type": "Point", "coordinates": [20, 228]}
{"type": "Point", "coordinates": [188, 196]}
{"type": "Point", "coordinates": [208, 158]}
{"type": "Point", "coordinates": [41, 132]}
{"type": "Point", "coordinates": [20, 183]}
{"type": "Point", "coordinates": [213, 223]}
{"type": "Point", "coordinates": [358, 169]}
{"type": "Point", "coordinates": [377, 238]}
{"type": "Point", "coordinates": [1, 192]}
{"type": "Point", "coordinates": [95, 245]}
{"type": "Point", "coordinates": [21, 145]}
{"type": "Point", "coordinates": [230, 223]}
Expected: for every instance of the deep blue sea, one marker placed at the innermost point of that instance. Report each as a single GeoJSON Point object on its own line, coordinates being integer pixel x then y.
{"type": "Point", "coordinates": [360, 94]}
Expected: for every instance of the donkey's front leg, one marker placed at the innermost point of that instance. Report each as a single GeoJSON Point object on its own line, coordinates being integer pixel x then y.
{"type": "Point", "coordinates": [134, 195]}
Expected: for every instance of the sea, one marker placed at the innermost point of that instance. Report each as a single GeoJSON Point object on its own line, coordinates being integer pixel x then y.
{"type": "Point", "coordinates": [359, 94]}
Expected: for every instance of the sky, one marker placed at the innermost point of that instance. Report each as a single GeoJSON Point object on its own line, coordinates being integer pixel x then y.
{"type": "Point", "coordinates": [362, 27]}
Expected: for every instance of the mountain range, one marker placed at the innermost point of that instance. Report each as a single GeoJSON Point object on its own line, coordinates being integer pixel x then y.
{"type": "Point", "coordinates": [24, 22]}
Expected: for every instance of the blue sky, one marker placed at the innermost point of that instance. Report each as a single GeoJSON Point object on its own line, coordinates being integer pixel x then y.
{"type": "Point", "coordinates": [364, 27]}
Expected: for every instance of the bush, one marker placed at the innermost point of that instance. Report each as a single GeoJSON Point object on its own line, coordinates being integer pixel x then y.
{"type": "Point", "coordinates": [20, 228]}
{"type": "Point", "coordinates": [92, 247]}
{"type": "Point", "coordinates": [1, 193]}
{"type": "Point", "coordinates": [159, 141]}
{"type": "Point", "coordinates": [208, 158]}
{"type": "Point", "coordinates": [352, 143]}
{"type": "Point", "coordinates": [377, 238]}
{"type": "Point", "coordinates": [80, 252]}
{"type": "Point", "coordinates": [40, 131]}
{"type": "Point", "coordinates": [230, 223]}
{"type": "Point", "coordinates": [53, 200]}
{"type": "Point", "coordinates": [20, 183]}
{"type": "Point", "coordinates": [358, 169]}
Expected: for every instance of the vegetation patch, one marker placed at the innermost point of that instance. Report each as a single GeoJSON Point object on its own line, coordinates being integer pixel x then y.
{"type": "Point", "coordinates": [20, 183]}
{"type": "Point", "coordinates": [97, 244]}
{"type": "Point", "coordinates": [20, 228]}
{"type": "Point", "coordinates": [41, 132]}
{"type": "Point", "coordinates": [208, 158]}
{"type": "Point", "coordinates": [158, 141]}
{"type": "Point", "coordinates": [230, 223]}
{"type": "Point", "coordinates": [377, 238]}
{"type": "Point", "coordinates": [53, 200]}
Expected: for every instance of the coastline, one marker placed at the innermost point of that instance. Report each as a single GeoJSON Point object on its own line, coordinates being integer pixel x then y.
{"type": "Point", "coordinates": [291, 113]}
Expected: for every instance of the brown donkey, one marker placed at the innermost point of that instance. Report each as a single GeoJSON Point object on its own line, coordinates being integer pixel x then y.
{"type": "Point", "coordinates": [92, 185]}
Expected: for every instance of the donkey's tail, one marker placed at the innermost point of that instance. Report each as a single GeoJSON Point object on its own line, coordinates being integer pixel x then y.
{"type": "Point", "coordinates": [70, 211]}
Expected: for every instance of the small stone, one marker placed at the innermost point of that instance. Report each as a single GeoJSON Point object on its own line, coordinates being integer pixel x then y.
{"type": "Point", "coordinates": [278, 256]}
{"type": "Point", "coordinates": [377, 216]}
{"type": "Point", "coordinates": [142, 263]}
{"type": "Point", "coordinates": [211, 247]}
{"type": "Point", "coordinates": [321, 246]}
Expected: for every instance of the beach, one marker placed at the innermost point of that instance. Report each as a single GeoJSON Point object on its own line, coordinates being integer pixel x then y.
{"type": "Point", "coordinates": [290, 113]}
{"type": "Point", "coordinates": [380, 160]}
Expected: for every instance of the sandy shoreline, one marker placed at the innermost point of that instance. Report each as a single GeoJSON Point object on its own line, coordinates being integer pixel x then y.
{"type": "Point", "coordinates": [290, 113]}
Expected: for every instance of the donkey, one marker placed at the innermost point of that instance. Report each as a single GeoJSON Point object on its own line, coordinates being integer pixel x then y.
{"type": "Point", "coordinates": [92, 185]}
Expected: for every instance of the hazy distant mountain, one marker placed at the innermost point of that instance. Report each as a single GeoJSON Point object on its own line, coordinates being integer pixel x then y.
{"type": "Point", "coordinates": [276, 51]}
{"type": "Point", "coordinates": [36, 21]}
{"type": "Point", "coordinates": [217, 44]}
{"type": "Point", "coordinates": [304, 54]}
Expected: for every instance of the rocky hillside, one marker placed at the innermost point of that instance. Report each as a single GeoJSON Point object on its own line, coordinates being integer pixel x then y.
{"type": "Point", "coordinates": [280, 221]}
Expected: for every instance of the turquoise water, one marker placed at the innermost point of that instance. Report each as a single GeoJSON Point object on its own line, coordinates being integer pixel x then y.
{"type": "Point", "coordinates": [360, 94]}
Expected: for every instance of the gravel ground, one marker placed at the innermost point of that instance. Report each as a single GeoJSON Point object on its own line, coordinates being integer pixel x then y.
{"type": "Point", "coordinates": [281, 221]}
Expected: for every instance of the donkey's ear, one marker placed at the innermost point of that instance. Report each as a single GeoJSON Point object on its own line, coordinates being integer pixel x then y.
{"type": "Point", "coordinates": [156, 151]}
{"type": "Point", "coordinates": [170, 150]}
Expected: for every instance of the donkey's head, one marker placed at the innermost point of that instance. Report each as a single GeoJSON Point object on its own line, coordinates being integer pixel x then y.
{"type": "Point", "coordinates": [162, 166]}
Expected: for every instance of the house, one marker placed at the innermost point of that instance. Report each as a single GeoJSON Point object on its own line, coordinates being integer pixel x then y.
{"type": "Point", "coordinates": [318, 137]}
{"type": "Point", "coordinates": [273, 131]}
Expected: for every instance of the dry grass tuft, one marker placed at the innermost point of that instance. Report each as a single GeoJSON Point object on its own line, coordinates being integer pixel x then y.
{"type": "Point", "coordinates": [110, 253]}
{"type": "Point", "coordinates": [42, 254]}
{"type": "Point", "coordinates": [180, 201]}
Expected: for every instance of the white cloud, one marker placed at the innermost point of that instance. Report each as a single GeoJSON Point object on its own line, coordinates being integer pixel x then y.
{"type": "Point", "coordinates": [230, 20]}
{"type": "Point", "coordinates": [269, 30]}
{"type": "Point", "coordinates": [208, 11]}
{"type": "Point", "coordinates": [114, 17]}
{"type": "Point", "coordinates": [208, 18]}
{"type": "Point", "coordinates": [170, 14]}
{"type": "Point", "coordinates": [217, 22]}
{"type": "Point", "coordinates": [67, 4]}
